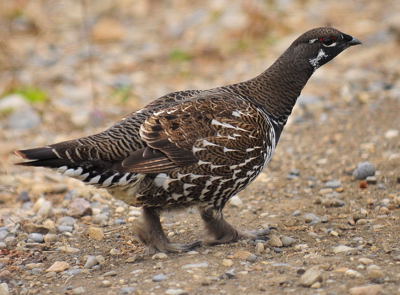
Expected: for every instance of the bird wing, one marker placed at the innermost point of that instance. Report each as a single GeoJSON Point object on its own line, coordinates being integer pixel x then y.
{"type": "Point", "coordinates": [219, 126]}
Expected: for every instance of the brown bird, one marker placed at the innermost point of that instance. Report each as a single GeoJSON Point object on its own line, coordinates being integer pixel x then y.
{"type": "Point", "coordinates": [195, 147]}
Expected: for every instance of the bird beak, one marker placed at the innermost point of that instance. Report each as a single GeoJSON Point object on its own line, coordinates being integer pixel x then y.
{"type": "Point", "coordinates": [353, 42]}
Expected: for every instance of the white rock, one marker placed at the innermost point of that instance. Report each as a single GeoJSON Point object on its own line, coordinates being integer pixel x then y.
{"type": "Point", "coordinates": [342, 248]}
{"type": "Point", "coordinates": [4, 289]}
{"type": "Point", "coordinates": [391, 133]}
{"type": "Point", "coordinates": [235, 201]}
{"type": "Point", "coordinates": [311, 276]}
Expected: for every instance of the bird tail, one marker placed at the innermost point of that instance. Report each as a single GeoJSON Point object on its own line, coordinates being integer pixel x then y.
{"type": "Point", "coordinates": [41, 157]}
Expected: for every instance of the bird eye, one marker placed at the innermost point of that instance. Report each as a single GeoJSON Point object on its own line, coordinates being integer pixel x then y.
{"type": "Point", "coordinates": [328, 41]}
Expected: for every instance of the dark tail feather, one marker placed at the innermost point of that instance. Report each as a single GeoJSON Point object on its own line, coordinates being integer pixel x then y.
{"type": "Point", "coordinates": [42, 157]}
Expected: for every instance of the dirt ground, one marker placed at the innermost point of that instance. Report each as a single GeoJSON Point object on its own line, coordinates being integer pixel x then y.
{"type": "Point", "coordinates": [88, 65]}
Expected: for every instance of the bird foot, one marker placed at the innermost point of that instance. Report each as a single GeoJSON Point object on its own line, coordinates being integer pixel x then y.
{"type": "Point", "coordinates": [258, 234]}
{"type": "Point", "coordinates": [168, 247]}
{"type": "Point", "coordinates": [232, 237]}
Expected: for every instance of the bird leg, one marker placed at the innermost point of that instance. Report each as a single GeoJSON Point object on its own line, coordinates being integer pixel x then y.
{"type": "Point", "coordinates": [223, 232]}
{"type": "Point", "coordinates": [151, 233]}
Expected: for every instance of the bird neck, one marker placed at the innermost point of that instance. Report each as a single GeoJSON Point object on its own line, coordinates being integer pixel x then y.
{"type": "Point", "coordinates": [276, 89]}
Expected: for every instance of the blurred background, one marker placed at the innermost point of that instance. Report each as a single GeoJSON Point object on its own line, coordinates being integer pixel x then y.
{"type": "Point", "coordinates": [71, 67]}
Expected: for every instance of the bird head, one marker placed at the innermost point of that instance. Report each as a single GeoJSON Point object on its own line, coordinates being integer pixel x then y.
{"type": "Point", "coordinates": [320, 45]}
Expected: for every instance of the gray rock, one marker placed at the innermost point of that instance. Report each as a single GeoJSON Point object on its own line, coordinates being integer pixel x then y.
{"type": "Point", "coordinates": [311, 276]}
{"type": "Point", "coordinates": [90, 261]}
{"type": "Point", "coordinates": [3, 234]}
{"type": "Point", "coordinates": [159, 278]}
{"type": "Point", "coordinates": [333, 184]}
{"type": "Point", "coordinates": [66, 220]}
{"type": "Point", "coordinates": [195, 265]}
{"type": "Point", "coordinates": [127, 290]}
{"type": "Point", "coordinates": [364, 170]}
{"type": "Point", "coordinates": [287, 241]}
{"type": "Point", "coordinates": [311, 218]}
{"type": "Point", "coordinates": [65, 228]}
{"type": "Point", "coordinates": [36, 237]}
{"type": "Point", "coordinates": [111, 273]}
{"type": "Point", "coordinates": [79, 207]}
{"type": "Point", "coordinates": [24, 119]}
{"type": "Point", "coordinates": [175, 292]}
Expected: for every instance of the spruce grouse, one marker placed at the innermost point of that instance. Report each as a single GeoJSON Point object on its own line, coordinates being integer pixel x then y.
{"type": "Point", "coordinates": [195, 147]}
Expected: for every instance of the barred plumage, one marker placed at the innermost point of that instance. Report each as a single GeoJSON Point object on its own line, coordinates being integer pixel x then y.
{"type": "Point", "coordinates": [195, 147]}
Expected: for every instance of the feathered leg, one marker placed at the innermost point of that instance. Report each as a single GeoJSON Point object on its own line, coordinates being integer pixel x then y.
{"type": "Point", "coordinates": [223, 232]}
{"type": "Point", "coordinates": [152, 234]}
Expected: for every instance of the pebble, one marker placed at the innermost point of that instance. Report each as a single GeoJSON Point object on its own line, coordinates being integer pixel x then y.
{"type": "Point", "coordinates": [111, 273]}
{"type": "Point", "coordinates": [371, 180]}
{"type": "Point", "coordinates": [311, 276]}
{"type": "Point", "coordinates": [311, 218]}
{"type": "Point", "coordinates": [332, 202]}
{"type": "Point", "coordinates": [58, 266]}
{"type": "Point", "coordinates": [79, 207]}
{"type": "Point", "coordinates": [364, 170]}
{"type": "Point", "coordinates": [242, 254]}
{"type": "Point", "coordinates": [391, 133]}
{"type": "Point", "coordinates": [275, 241]}
{"type": "Point", "coordinates": [260, 248]}
{"type": "Point", "coordinates": [296, 213]}
{"type": "Point", "coordinates": [50, 238]}
{"type": "Point", "coordinates": [127, 290]}
{"type": "Point", "coordinates": [95, 233]}
{"type": "Point", "coordinates": [100, 259]}
{"type": "Point", "coordinates": [44, 208]}
{"type": "Point", "coordinates": [68, 249]}
{"type": "Point", "coordinates": [235, 201]}
{"type": "Point", "coordinates": [3, 234]}
{"type": "Point", "coordinates": [91, 261]}
{"type": "Point", "coordinates": [106, 283]}
{"type": "Point", "coordinates": [287, 241]}
{"type": "Point", "coordinates": [227, 262]}
{"type": "Point", "coordinates": [366, 290]}
{"type": "Point", "coordinates": [365, 261]}
{"type": "Point", "coordinates": [176, 292]}
{"type": "Point", "coordinates": [195, 265]}
{"type": "Point", "coordinates": [333, 184]}
{"type": "Point", "coordinates": [65, 228]}
{"type": "Point", "coordinates": [78, 290]}
{"type": "Point", "coordinates": [36, 237]}
{"type": "Point", "coordinates": [4, 289]}
{"type": "Point", "coordinates": [342, 248]}
{"type": "Point", "coordinates": [160, 255]}
{"type": "Point", "coordinates": [353, 273]}
{"type": "Point", "coordinates": [159, 278]}
{"type": "Point", "coordinates": [374, 272]}
{"type": "Point", "coordinates": [66, 220]}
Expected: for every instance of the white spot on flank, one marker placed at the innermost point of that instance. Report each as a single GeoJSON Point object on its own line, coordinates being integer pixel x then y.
{"type": "Point", "coordinates": [197, 149]}
{"type": "Point", "coordinates": [83, 176]}
{"type": "Point", "coordinates": [73, 172]}
{"type": "Point", "coordinates": [108, 181]}
{"type": "Point", "coordinates": [228, 150]}
{"type": "Point", "coordinates": [236, 113]}
{"type": "Point", "coordinates": [226, 125]}
{"type": "Point", "coordinates": [123, 180]}
{"type": "Point", "coordinates": [315, 61]}
{"type": "Point", "coordinates": [206, 143]}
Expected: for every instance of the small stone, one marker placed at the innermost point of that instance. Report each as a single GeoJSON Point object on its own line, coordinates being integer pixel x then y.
{"type": "Point", "coordinates": [90, 261]}
{"type": "Point", "coordinates": [311, 218]}
{"type": "Point", "coordinates": [95, 233]}
{"type": "Point", "coordinates": [111, 273]}
{"type": "Point", "coordinates": [68, 249]}
{"type": "Point", "coordinates": [50, 238]}
{"type": "Point", "coordinates": [227, 262]}
{"type": "Point", "coordinates": [66, 220]}
{"type": "Point", "coordinates": [3, 234]}
{"type": "Point", "coordinates": [287, 241]}
{"type": "Point", "coordinates": [106, 283]}
{"type": "Point", "coordinates": [176, 292]}
{"type": "Point", "coordinates": [78, 291]}
{"type": "Point", "coordinates": [366, 290]}
{"type": "Point", "coordinates": [364, 170]}
{"type": "Point", "coordinates": [275, 241]}
{"type": "Point", "coordinates": [260, 248]}
{"type": "Point", "coordinates": [391, 133]}
{"type": "Point", "coordinates": [65, 228]}
{"type": "Point", "coordinates": [159, 278]}
{"type": "Point", "coordinates": [195, 265]}
{"type": "Point", "coordinates": [316, 285]}
{"type": "Point", "coordinates": [43, 208]}
{"type": "Point", "coordinates": [311, 276]}
{"type": "Point", "coordinates": [100, 259]}
{"type": "Point", "coordinates": [342, 248]}
{"type": "Point", "coordinates": [36, 237]}
{"type": "Point", "coordinates": [371, 180]}
{"type": "Point", "coordinates": [374, 272]}
{"type": "Point", "coordinates": [242, 254]}
{"type": "Point", "coordinates": [365, 261]}
{"type": "Point", "coordinates": [34, 265]}
{"type": "Point", "coordinates": [353, 273]}
{"type": "Point", "coordinates": [115, 252]}
{"type": "Point", "coordinates": [333, 184]}
{"type": "Point", "coordinates": [235, 201]}
{"type": "Point", "coordinates": [4, 289]}
{"type": "Point", "coordinates": [58, 266]}
{"type": "Point", "coordinates": [333, 202]}
{"type": "Point", "coordinates": [160, 255]}
{"type": "Point", "coordinates": [127, 290]}
{"type": "Point", "coordinates": [79, 207]}
{"type": "Point", "coordinates": [296, 213]}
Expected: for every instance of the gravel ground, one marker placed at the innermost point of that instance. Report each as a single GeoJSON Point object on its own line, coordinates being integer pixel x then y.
{"type": "Point", "coordinates": [332, 189]}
